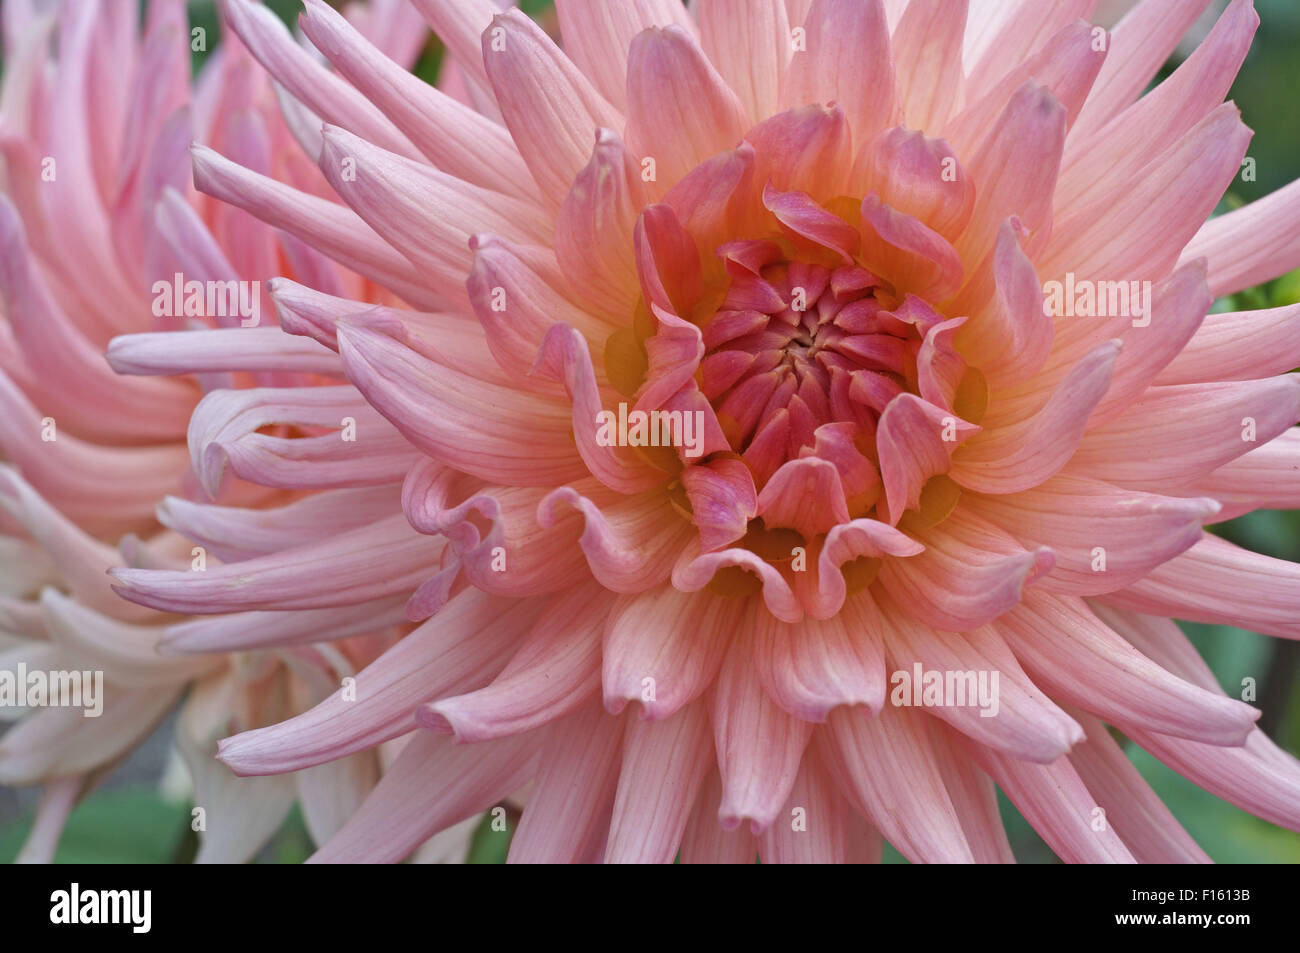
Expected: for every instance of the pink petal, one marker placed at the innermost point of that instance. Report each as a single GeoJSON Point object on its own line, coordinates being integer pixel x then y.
{"type": "Point", "coordinates": [664, 763]}
{"type": "Point", "coordinates": [829, 831]}
{"type": "Point", "coordinates": [1172, 436]}
{"type": "Point", "coordinates": [1220, 583]}
{"type": "Point", "coordinates": [759, 746]}
{"type": "Point", "coordinates": [974, 797]}
{"type": "Point", "coordinates": [838, 32]}
{"type": "Point", "coordinates": [324, 92]}
{"type": "Point", "coordinates": [680, 111]}
{"type": "Point", "coordinates": [1146, 826]}
{"type": "Point", "coordinates": [345, 569]}
{"type": "Point", "coordinates": [723, 500]}
{"type": "Point", "coordinates": [663, 648]}
{"type": "Point", "coordinates": [970, 573]}
{"type": "Point", "coordinates": [1023, 455]}
{"type": "Point", "coordinates": [1135, 531]}
{"type": "Point", "coordinates": [1250, 245]}
{"type": "Point", "coordinates": [1238, 345]}
{"type": "Point", "coordinates": [595, 224]}
{"type": "Point", "coordinates": [912, 448]}
{"type": "Point", "coordinates": [1027, 724]}
{"type": "Point", "coordinates": [748, 42]}
{"type": "Point", "coordinates": [1015, 170]}
{"type": "Point", "coordinates": [1140, 44]}
{"type": "Point", "coordinates": [566, 816]}
{"type": "Point", "coordinates": [460, 649]}
{"type": "Point", "coordinates": [498, 434]}
{"type": "Point", "coordinates": [551, 110]}
{"type": "Point", "coordinates": [597, 36]}
{"type": "Point", "coordinates": [810, 668]}
{"type": "Point", "coordinates": [888, 770]}
{"type": "Point", "coordinates": [927, 53]}
{"type": "Point", "coordinates": [432, 785]}
{"type": "Point", "coordinates": [1054, 800]}
{"type": "Point", "coordinates": [1083, 662]}
{"type": "Point", "coordinates": [630, 544]}
{"type": "Point", "coordinates": [455, 138]}
{"type": "Point", "coordinates": [555, 671]}
{"type": "Point", "coordinates": [704, 840]}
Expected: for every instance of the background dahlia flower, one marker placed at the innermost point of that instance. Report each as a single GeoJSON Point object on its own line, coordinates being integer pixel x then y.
{"type": "Point", "coordinates": [826, 229]}
{"type": "Point", "coordinates": [97, 205]}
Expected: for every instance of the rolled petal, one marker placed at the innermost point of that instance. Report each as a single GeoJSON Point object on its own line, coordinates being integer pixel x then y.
{"type": "Point", "coordinates": [817, 825]}
{"type": "Point", "coordinates": [812, 667]}
{"type": "Point", "coordinates": [664, 763]}
{"type": "Point", "coordinates": [974, 797]}
{"type": "Point", "coordinates": [597, 37]}
{"type": "Point", "coordinates": [550, 108]}
{"type": "Point", "coordinates": [704, 840]}
{"type": "Point", "coordinates": [1140, 228]}
{"type": "Point", "coordinates": [566, 356]}
{"type": "Point", "coordinates": [325, 93]}
{"type": "Point", "coordinates": [595, 225]}
{"type": "Point", "coordinates": [1172, 436]}
{"type": "Point", "coordinates": [1058, 805]}
{"type": "Point", "coordinates": [579, 754]}
{"type": "Point", "coordinates": [1017, 457]}
{"type": "Point", "coordinates": [1147, 827]}
{"type": "Point", "coordinates": [432, 785]}
{"type": "Point", "coordinates": [363, 449]}
{"type": "Point", "coordinates": [1104, 537]}
{"type": "Point", "coordinates": [1250, 245]}
{"type": "Point", "coordinates": [1015, 170]}
{"type": "Point", "coordinates": [1258, 777]}
{"type": "Point", "coordinates": [887, 769]}
{"type": "Point", "coordinates": [459, 650]}
{"type": "Point", "coordinates": [1140, 44]}
{"type": "Point", "coordinates": [916, 441]}
{"type": "Point", "coordinates": [218, 350]}
{"type": "Point", "coordinates": [970, 573]}
{"type": "Point", "coordinates": [1025, 723]}
{"type": "Point", "coordinates": [330, 228]}
{"type": "Point", "coordinates": [234, 533]}
{"type": "Point", "coordinates": [425, 214]}
{"type": "Point", "coordinates": [1074, 656]}
{"type": "Point", "coordinates": [1010, 338]}
{"type": "Point", "coordinates": [1264, 478]}
{"type": "Point", "coordinates": [836, 32]}
{"type": "Point", "coordinates": [455, 138]}
{"type": "Point", "coordinates": [1220, 583]}
{"type": "Point", "coordinates": [630, 545]}
{"type": "Point", "coordinates": [663, 648]}
{"type": "Point", "coordinates": [382, 559]}
{"type": "Point", "coordinates": [1238, 345]}
{"type": "Point", "coordinates": [504, 436]}
{"type": "Point", "coordinates": [127, 654]}
{"type": "Point", "coordinates": [759, 746]}
{"type": "Point", "coordinates": [555, 671]}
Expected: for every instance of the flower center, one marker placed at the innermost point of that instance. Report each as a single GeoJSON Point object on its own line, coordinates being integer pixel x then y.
{"type": "Point", "coordinates": [797, 345]}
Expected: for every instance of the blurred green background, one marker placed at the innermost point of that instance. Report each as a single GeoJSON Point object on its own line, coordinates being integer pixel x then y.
{"type": "Point", "coordinates": [128, 820]}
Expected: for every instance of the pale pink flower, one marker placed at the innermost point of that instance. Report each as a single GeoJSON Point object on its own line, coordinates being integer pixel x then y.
{"type": "Point", "coordinates": [96, 117]}
{"type": "Point", "coordinates": [827, 228]}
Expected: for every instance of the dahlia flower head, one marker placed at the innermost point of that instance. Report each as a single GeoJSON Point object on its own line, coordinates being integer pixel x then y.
{"type": "Point", "coordinates": [817, 240]}
{"type": "Point", "coordinates": [97, 205]}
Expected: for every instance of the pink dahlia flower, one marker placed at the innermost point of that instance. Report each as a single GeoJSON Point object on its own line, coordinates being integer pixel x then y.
{"type": "Point", "coordinates": [97, 207]}
{"type": "Point", "coordinates": [769, 377]}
